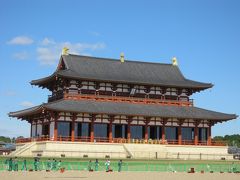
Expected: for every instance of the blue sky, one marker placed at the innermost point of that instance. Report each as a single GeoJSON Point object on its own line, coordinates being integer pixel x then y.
{"type": "Point", "coordinates": [203, 35]}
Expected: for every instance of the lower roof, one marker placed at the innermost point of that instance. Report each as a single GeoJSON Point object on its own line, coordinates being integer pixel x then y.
{"type": "Point", "coordinates": [123, 108]}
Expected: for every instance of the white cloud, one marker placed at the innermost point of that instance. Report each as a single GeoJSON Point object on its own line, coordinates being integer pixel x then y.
{"type": "Point", "coordinates": [47, 41]}
{"type": "Point", "coordinates": [50, 51]}
{"type": "Point", "coordinates": [21, 55]}
{"type": "Point", "coordinates": [21, 40]}
{"type": "Point", "coordinates": [26, 104]}
{"type": "Point", "coordinates": [47, 56]}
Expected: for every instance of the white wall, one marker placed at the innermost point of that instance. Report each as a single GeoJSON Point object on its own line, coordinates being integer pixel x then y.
{"type": "Point", "coordinates": [33, 134]}
{"type": "Point", "coordinates": [51, 130]}
{"type": "Point", "coordinates": [39, 130]}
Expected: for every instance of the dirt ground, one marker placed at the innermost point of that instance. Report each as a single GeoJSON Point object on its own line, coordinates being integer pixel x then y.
{"type": "Point", "coordinates": [73, 175]}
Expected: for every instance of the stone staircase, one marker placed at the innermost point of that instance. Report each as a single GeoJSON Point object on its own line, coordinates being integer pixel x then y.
{"type": "Point", "coordinates": [20, 151]}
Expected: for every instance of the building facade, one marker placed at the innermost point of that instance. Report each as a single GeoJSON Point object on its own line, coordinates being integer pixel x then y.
{"type": "Point", "coordinates": [108, 100]}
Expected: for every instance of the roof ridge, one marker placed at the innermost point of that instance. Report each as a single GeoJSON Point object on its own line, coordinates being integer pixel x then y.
{"type": "Point", "coordinates": [118, 60]}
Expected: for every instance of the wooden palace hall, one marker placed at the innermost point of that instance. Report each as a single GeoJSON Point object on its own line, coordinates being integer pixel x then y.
{"type": "Point", "coordinates": [120, 101]}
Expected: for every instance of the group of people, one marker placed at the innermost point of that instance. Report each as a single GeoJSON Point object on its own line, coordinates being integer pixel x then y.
{"type": "Point", "coordinates": [53, 165]}
{"type": "Point", "coordinates": [107, 165]}
{"type": "Point", "coordinates": [12, 164]}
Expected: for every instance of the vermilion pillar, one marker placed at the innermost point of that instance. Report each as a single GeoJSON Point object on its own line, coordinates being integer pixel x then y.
{"type": "Point", "coordinates": [164, 121]}
{"type": "Point", "coordinates": [55, 134]}
{"type": "Point", "coordinates": [73, 118]}
{"type": "Point", "coordinates": [128, 129]}
{"type": "Point", "coordinates": [146, 132]}
{"type": "Point", "coordinates": [209, 142]}
{"type": "Point", "coordinates": [92, 128]}
{"type": "Point", "coordinates": [180, 122]}
{"type": "Point", "coordinates": [179, 135]}
{"type": "Point", "coordinates": [110, 131]}
{"type": "Point", "coordinates": [196, 133]}
{"type": "Point", "coordinates": [110, 136]}
{"type": "Point", "coordinates": [146, 128]}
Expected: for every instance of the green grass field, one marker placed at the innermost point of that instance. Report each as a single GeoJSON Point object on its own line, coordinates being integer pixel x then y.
{"type": "Point", "coordinates": [80, 164]}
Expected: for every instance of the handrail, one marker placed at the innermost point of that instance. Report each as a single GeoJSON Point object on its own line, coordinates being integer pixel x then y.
{"type": "Point", "coordinates": [120, 140]}
{"type": "Point", "coordinates": [128, 99]}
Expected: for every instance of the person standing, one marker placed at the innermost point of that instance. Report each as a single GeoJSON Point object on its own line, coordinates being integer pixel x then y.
{"type": "Point", "coordinates": [24, 166]}
{"type": "Point", "coordinates": [7, 164]}
{"type": "Point", "coordinates": [90, 165]}
{"type": "Point", "coordinates": [10, 165]}
{"type": "Point", "coordinates": [120, 165]}
{"type": "Point", "coordinates": [59, 165]}
{"type": "Point", "coordinates": [54, 165]}
{"type": "Point", "coordinates": [107, 164]}
{"type": "Point", "coordinates": [96, 165]}
{"type": "Point", "coordinates": [35, 164]}
{"type": "Point", "coordinates": [15, 164]}
{"type": "Point", "coordinates": [49, 165]}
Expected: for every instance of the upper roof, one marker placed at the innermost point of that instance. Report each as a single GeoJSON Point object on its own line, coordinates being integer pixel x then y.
{"type": "Point", "coordinates": [112, 70]}
{"type": "Point", "coordinates": [123, 108]}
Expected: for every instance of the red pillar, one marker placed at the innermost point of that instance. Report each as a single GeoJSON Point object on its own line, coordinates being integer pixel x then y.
{"type": "Point", "coordinates": [110, 132]}
{"type": "Point", "coordinates": [92, 131]}
{"type": "Point", "coordinates": [73, 118]}
{"type": "Point", "coordinates": [146, 129]}
{"type": "Point", "coordinates": [164, 121]}
{"type": "Point", "coordinates": [92, 128]}
{"type": "Point", "coordinates": [179, 135]}
{"type": "Point", "coordinates": [209, 142]}
{"type": "Point", "coordinates": [55, 136]}
{"type": "Point", "coordinates": [146, 132]}
{"type": "Point", "coordinates": [196, 135]}
{"type": "Point", "coordinates": [163, 133]}
{"type": "Point", "coordinates": [128, 132]}
{"type": "Point", "coordinates": [180, 123]}
{"type": "Point", "coordinates": [111, 119]}
{"type": "Point", "coordinates": [129, 129]}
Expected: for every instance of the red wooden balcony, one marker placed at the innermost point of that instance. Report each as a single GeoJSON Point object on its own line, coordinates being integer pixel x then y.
{"type": "Point", "coordinates": [128, 99]}
{"type": "Point", "coordinates": [121, 140]}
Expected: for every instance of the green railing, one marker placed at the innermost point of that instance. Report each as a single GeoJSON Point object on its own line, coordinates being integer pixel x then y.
{"type": "Point", "coordinates": [126, 166]}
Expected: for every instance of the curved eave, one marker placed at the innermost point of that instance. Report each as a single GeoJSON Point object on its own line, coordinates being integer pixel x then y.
{"type": "Point", "coordinates": [26, 112]}
{"type": "Point", "coordinates": [43, 81]}
{"type": "Point", "coordinates": [117, 108]}
{"type": "Point", "coordinates": [89, 106]}
{"type": "Point", "coordinates": [186, 84]}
